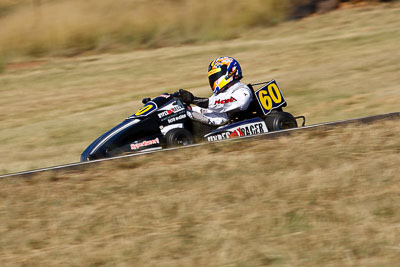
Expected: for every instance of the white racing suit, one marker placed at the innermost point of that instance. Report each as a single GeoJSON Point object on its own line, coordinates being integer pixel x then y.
{"type": "Point", "coordinates": [235, 98]}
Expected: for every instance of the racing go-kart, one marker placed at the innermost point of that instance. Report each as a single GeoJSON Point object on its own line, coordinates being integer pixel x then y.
{"type": "Point", "coordinates": [164, 122]}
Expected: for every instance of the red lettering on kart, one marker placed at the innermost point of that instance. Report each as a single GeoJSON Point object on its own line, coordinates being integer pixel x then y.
{"type": "Point", "coordinates": [144, 144]}
{"type": "Point", "coordinates": [236, 133]}
{"type": "Point", "coordinates": [224, 101]}
{"type": "Point", "coordinates": [233, 134]}
{"type": "Point", "coordinates": [241, 133]}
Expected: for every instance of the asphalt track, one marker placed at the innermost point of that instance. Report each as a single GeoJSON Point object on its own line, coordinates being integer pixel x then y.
{"type": "Point", "coordinates": [363, 120]}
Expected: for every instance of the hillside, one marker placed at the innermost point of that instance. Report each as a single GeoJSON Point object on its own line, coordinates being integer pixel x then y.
{"type": "Point", "coordinates": [320, 198]}
{"type": "Point", "coordinates": [37, 28]}
{"type": "Point", "coordinates": [341, 65]}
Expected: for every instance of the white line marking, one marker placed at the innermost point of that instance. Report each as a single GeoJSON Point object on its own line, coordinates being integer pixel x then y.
{"type": "Point", "coordinates": [110, 135]}
{"type": "Point", "coordinates": [368, 118]}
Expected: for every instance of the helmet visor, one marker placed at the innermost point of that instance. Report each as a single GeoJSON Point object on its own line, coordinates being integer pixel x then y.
{"type": "Point", "coordinates": [215, 74]}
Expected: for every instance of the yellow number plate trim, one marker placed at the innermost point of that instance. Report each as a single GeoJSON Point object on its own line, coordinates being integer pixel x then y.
{"type": "Point", "coordinates": [147, 109]}
{"type": "Point", "coordinates": [270, 97]}
{"type": "Point", "coordinates": [143, 110]}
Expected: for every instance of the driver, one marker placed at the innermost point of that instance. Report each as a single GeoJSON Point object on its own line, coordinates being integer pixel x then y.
{"type": "Point", "coordinates": [229, 94]}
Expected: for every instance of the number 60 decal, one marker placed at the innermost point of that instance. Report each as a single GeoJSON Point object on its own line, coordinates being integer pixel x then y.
{"type": "Point", "coordinates": [270, 97]}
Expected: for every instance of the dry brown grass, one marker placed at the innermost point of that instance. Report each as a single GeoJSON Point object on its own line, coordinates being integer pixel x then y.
{"type": "Point", "coordinates": [74, 26]}
{"type": "Point", "coordinates": [314, 199]}
{"type": "Point", "coordinates": [318, 198]}
{"type": "Point", "coordinates": [341, 65]}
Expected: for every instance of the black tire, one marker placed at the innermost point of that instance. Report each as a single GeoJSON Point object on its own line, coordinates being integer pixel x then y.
{"type": "Point", "coordinates": [178, 137]}
{"type": "Point", "coordinates": [280, 120]}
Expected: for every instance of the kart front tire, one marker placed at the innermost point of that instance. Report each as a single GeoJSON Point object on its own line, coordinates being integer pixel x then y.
{"type": "Point", "coordinates": [280, 120]}
{"type": "Point", "coordinates": [178, 137]}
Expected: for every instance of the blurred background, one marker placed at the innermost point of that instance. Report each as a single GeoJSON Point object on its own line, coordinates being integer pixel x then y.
{"type": "Point", "coordinates": [69, 27]}
{"type": "Point", "coordinates": [71, 70]}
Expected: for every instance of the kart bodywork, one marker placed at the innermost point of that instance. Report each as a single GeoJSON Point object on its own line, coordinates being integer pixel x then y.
{"type": "Point", "coordinates": [163, 122]}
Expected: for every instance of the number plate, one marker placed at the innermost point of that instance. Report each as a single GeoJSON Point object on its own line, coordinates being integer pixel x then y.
{"type": "Point", "coordinates": [146, 110]}
{"type": "Point", "coordinates": [270, 97]}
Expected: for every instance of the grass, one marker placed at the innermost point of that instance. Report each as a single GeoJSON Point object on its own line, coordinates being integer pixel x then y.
{"type": "Point", "coordinates": [2, 65]}
{"type": "Point", "coordinates": [37, 28]}
{"type": "Point", "coordinates": [307, 199]}
{"type": "Point", "coordinates": [327, 198]}
{"type": "Point", "coordinates": [72, 27]}
{"type": "Point", "coordinates": [51, 109]}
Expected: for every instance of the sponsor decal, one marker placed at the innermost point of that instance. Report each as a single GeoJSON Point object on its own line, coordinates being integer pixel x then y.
{"type": "Point", "coordinates": [140, 145]}
{"type": "Point", "coordinates": [180, 117]}
{"type": "Point", "coordinates": [175, 109]}
{"type": "Point", "coordinates": [218, 137]}
{"type": "Point", "coordinates": [224, 101]}
{"type": "Point", "coordinates": [243, 130]}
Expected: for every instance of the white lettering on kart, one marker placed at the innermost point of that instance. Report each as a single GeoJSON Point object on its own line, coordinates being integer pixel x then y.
{"type": "Point", "coordinates": [180, 117]}
{"type": "Point", "coordinates": [170, 111]}
{"type": "Point", "coordinates": [137, 146]}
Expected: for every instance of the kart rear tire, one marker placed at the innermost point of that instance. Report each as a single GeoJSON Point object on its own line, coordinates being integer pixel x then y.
{"type": "Point", "coordinates": [178, 137]}
{"type": "Point", "coordinates": [280, 120]}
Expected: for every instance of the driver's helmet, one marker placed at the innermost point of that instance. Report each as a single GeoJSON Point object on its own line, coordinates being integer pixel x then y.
{"type": "Point", "coordinates": [222, 72]}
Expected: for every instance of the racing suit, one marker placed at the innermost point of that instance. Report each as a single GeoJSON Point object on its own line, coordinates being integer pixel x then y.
{"type": "Point", "coordinates": [216, 109]}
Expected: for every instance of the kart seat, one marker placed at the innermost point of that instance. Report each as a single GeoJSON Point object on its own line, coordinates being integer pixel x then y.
{"type": "Point", "coordinates": [252, 111]}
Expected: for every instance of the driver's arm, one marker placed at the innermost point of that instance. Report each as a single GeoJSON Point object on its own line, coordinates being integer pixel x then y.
{"type": "Point", "coordinates": [201, 102]}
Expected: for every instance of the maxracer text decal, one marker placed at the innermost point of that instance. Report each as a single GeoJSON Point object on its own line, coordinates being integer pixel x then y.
{"type": "Point", "coordinates": [244, 130]}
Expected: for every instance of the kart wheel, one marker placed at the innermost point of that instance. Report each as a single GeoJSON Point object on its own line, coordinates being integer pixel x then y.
{"type": "Point", "coordinates": [179, 137]}
{"type": "Point", "coordinates": [277, 121]}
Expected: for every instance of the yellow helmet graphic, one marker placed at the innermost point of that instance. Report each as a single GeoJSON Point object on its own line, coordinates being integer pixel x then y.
{"type": "Point", "coordinates": [222, 71]}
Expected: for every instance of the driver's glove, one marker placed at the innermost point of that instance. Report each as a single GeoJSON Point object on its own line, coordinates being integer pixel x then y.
{"type": "Point", "coordinates": [186, 96]}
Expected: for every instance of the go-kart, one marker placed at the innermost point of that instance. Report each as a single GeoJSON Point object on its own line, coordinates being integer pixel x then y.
{"type": "Point", "coordinates": [164, 122]}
